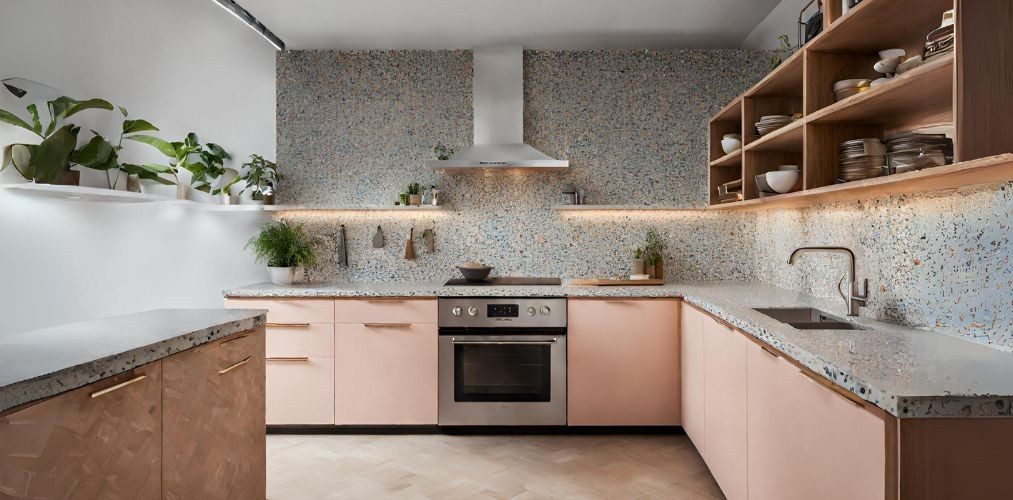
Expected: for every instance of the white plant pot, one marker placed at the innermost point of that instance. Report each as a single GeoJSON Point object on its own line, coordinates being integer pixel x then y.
{"type": "Point", "coordinates": [158, 189]}
{"type": "Point", "coordinates": [282, 275]}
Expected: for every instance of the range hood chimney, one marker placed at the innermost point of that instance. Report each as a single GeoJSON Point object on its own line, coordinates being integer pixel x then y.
{"type": "Point", "coordinates": [498, 97]}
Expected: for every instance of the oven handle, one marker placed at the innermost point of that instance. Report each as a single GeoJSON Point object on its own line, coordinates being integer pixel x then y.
{"type": "Point", "coordinates": [503, 342]}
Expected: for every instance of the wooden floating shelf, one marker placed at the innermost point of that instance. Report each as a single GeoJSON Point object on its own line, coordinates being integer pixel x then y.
{"type": "Point", "coordinates": [786, 138]}
{"type": "Point", "coordinates": [732, 159]}
{"type": "Point", "coordinates": [989, 170]}
{"type": "Point", "coordinates": [875, 25]}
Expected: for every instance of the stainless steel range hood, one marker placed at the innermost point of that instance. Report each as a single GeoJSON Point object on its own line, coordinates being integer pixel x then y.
{"type": "Point", "coordinates": [498, 96]}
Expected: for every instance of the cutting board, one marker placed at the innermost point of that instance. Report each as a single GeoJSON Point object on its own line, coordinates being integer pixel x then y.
{"type": "Point", "coordinates": [612, 282]}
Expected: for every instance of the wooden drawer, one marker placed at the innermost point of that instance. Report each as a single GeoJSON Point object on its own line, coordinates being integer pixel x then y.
{"type": "Point", "coordinates": [315, 339]}
{"type": "Point", "coordinates": [300, 391]}
{"type": "Point", "coordinates": [385, 375]}
{"type": "Point", "coordinates": [385, 311]}
{"type": "Point", "coordinates": [293, 311]}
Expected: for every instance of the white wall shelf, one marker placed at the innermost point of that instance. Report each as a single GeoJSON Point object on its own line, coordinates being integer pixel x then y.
{"type": "Point", "coordinates": [620, 208]}
{"type": "Point", "coordinates": [80, 193]}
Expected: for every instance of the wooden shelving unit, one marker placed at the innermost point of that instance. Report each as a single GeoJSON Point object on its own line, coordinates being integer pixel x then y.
{"type": "Point", "coordinates": [967, 91]}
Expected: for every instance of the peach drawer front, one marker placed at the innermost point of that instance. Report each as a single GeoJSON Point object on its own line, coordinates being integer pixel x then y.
{"type": "Point", "coordinates": [385, 311]}
{"type": "Point", "coordinates": [297, 311]}
{"type": "Point", "coordinates": [385, 375]}
{"type": "Point", "coordinates": [300, 391]}
{"type": "Point", "coordinates": [314, 339]}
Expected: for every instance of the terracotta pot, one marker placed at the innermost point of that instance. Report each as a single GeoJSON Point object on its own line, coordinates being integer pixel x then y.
{"type": "Point", "coordinates": [415, 199]}
{"type": "Point", "coordinates": [638, 266]}
{"type": "Point", "coordinates": [649, 270]}
{"type": "Point", "coordinates": [66, 178]}
{"type": "Point", "coordinates": [659, 270]}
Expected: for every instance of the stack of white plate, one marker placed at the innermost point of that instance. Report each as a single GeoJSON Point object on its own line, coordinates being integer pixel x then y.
{"type": "Point", "coordinates": [861, 159]}
{"type": "Point", "coordinates": [770, 123]}
{"type": "Point", "coordinates": [915, 151]}
{"type": "Point", "coordinates": [847, 88]}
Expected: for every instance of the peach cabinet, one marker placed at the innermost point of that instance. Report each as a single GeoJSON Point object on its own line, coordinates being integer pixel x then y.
{"type": "Point", "coordinates": [102, 440]}
{"type": "Point", "coordinates": [287, 312]}
{"type": "Point", "coordinates": [623, 362]}
{"type": "Point", "coordinates": [385, 310]}
{"type": "Point", "coordinates": [691, 334]}
{"type": "Point", "coordinates": [725, 407]}
{"type": "Point", "coordinates": [808, 441]}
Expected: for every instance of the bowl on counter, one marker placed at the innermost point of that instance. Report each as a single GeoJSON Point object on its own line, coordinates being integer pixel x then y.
{"type": "Point", "coordinates": [475, 272]}
{"type": "Point", "coordinates": [783, 181]}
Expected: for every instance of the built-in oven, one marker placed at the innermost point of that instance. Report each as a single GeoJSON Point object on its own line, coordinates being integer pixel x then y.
{"type": "Point", "coordinates": [502, 361]}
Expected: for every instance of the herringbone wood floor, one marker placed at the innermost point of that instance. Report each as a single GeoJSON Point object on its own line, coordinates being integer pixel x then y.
{"type": "Point", "coordinates": [522, 467]}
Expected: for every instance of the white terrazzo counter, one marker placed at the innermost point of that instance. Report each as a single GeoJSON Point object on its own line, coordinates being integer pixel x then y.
{"type": "Point", "coordinates": [910, 373]}
{"type": "Point", "coordinates": [42, 363]}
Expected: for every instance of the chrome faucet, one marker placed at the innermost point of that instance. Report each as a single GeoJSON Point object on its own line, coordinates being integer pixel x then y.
{"type": "Point", "coordinates": [856, 297]}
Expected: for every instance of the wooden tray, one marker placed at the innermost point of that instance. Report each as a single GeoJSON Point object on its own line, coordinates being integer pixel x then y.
{"type": "Point", "coordinates": [611, 282]}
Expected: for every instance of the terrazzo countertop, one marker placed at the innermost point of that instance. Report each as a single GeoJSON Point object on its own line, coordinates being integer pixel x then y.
{"type": "Point", "coordinates": [910, 373]}
{"type": "Point", "coordinates": [42, 363]}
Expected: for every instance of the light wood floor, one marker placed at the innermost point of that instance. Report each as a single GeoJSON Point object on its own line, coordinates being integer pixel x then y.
{"type": "Point", "coordinates": [523, 467]}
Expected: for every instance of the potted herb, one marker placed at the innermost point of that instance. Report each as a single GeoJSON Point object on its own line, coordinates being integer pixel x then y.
{"type": "Point", "coordinates": [653, 255]}
{"type": "Point", "coordinates": [638, 261]}
{"type": "Point", "coordinates": [284, 247]}
{"type": "Point", "coordinates": [415, 194]}
{"type": "Point", "coordinates": [260, 179]}
{"type": "Point", "coordinates": [443, 152]}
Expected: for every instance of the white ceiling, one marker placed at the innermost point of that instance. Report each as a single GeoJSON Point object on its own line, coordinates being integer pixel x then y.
{"type": "Point", "coordinates": [536, 24]}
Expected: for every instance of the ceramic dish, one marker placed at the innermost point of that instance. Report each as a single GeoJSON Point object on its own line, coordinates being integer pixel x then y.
{"type": "Point", "coordinates": [783, 181]}
{"type": "Point", "coordinates": [909, 65]}
{"type": "Point", "coordinates": [730, 145]}
{"type": "Point", "coordinates": [888, 65]}
{"type": "Point", "coordinates": [888, 53]}
{"type": "Point", "coordinates": [851, 84]}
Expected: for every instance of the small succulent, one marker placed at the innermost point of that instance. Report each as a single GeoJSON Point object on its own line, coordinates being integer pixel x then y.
{"type": "Point", "coordinates": [414, 188]}
{"type": "Point", "coordinates": [443, 152]}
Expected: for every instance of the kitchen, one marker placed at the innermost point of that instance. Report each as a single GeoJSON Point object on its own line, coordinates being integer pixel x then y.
{"type": "Point", "coordinates": [416, 138]}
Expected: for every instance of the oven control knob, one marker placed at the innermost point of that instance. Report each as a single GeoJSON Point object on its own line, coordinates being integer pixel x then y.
{"type": "Point", "coordinates": [545, 310]}
{"type": "Point", "coordinates": [457, 311]}
{"type": "Point", "coordinates": [473, 311]}
{"type": "Point", "coordinates": [532, 311]}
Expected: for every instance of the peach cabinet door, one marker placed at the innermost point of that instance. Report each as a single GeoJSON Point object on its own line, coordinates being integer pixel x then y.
{"type": "Point", "coordinates": [85, 443]}
{"type": "Point", "coordinates": [300, 390]}
{"type": "Point", "coordinates": [805, 441]}
{"type": "Point", "coordinates": [289, 311]}
{"type": "Point", "coordinates": [623, 362]}
{"type": "Point", "coordinates": [385, 310]}
{"type": "Point", "coordinates": [725, 407]}
{"type": "Point", "coordinates": [385, 374]}
{"type": "Point", "coordinates": [691, 333]}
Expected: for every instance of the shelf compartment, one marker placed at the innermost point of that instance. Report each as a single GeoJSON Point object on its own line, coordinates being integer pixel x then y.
{"type": "Point", "coordinates": [822, 149]}
{"type": "Point", "coordinates": [783, 81]}
{"type": "Point", "coordinates": [874, 25]}
{"type": "Point", "coordinates": [921, 97]}
{"type": "Point", "coordinates": [729, 160]}
{"type": "Point", "coordinates": [755, 107]}
{"type": "Point", "coordinates": [760, 162]}
{"type": "Point", "coordinates": [787, 138]}
{"type": "Point", "coordinates": [732, 112]}
{"type": "Point", "coordinates": [727, 121]}
{"type": "Point", "coordinates": [990, 170]}
{"type": "Point", "coordinates": [721, 175]}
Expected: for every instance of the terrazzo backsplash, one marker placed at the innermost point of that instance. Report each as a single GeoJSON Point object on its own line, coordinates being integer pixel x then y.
{"type": "Point", "coordinates": [354, 128]}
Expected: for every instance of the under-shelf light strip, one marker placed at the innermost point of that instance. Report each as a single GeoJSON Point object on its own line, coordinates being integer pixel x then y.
{"type": "Point", "coordinates": [244, 15]}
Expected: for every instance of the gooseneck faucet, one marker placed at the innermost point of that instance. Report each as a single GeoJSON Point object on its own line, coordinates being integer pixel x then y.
{"type": "Point", "coordinates": [856, 297]}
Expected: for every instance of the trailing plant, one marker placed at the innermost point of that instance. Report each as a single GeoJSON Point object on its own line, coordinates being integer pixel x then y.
{"type": "Point", "coordinates": [654, 248]}
{"type": "Point", "coordinates": [46, 161]}
{"type": "Point", "coordinates": [283, 244]}
{"type": "Point", "coordinates": [414, 188]}
{"type": "Point", "coordinates": [443, 152]}
{"type": "Point", "coordinates": [261, 176]}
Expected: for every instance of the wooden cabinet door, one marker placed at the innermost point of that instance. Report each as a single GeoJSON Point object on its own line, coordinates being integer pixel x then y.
{"type": "Point", "coordinates": [102, 440]}
{"type": "Point", "coordinates": [386, 374]}
{"type": "Point", "coordinates": [623, 362]}
{"type": "Point", "coordinates": [691, 334]}
{"type": "Point", "coordinates": [806, 441]}
{"type": "Point", "coordinates": [725, 407]}
{"type": "Point", "coordinates": [213, 415]}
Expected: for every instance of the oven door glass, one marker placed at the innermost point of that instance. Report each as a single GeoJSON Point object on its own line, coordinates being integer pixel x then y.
{"type": "Point", "coordinates": [502, 371]}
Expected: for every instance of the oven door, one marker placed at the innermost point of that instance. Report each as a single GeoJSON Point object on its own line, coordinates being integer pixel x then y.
{"type": "Point", "coordinates": [502, 379]}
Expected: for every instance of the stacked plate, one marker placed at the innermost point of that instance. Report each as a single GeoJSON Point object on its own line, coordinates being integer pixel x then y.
{"type": "Point", "coordinates": [847, 88]}
{"type": "Point", "coordinates": [861, 159]}
{"type": "Point", "coordinates": [913, 151]}
{"type": "Point", "coordinates": [770, 123]}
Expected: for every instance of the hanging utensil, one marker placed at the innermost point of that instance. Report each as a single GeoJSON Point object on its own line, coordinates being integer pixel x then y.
{"type": "Point", "coordinates": [378, 239]}
{"type": "Point", "coordinates": [429, 237]}
{"type": "Point", "coordinates": [342, 247]}
{"type": "Point", "coordinates": [409, 251]}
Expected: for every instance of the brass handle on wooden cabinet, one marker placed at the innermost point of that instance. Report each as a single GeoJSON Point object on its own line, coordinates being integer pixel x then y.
{"type": "Point", "coordinates": [768, 351]}
{"type": "Point", "coordinates": [289, 358]}
{"type": "Point", "coordinates": [387, 325]}
{"type": "Point", "coordinates": [233, 367]}
{"type": "Point", "coordinates": [119, 386]}
{"type": "Point", "coordinates": [832, 388]}
{"type": "Point", "coordinates": [233, 340]}
{"type": "Point", "coordinates": [288, 325]}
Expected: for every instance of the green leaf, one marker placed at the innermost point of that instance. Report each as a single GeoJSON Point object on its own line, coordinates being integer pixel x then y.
{"type": "Point", "coordinates": [148, 171]}
{"type": "Point", "coordinates": [36, 122]}
{"type": "Point", "coordinates": [52, 156]}
{"type": "Point", "coordinates": [135, 126]}
{"type": "Point", "coordinates": [20, 157]}
{"type": "Point", "coordinates": [123, 111]}
{"type": "Point", "coordinates": [160, 144]}
{"type": "Point", "coordinates": [96, 154]}
{"type": "Point", "coordinates": [12, 119]}
{"type": "Point", "coordinates": [85, 105]}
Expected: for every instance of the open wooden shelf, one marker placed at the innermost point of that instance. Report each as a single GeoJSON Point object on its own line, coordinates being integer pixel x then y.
{"type": "Point", "coordinates": [729, 160]}
{"type": "Point", "coordinates": [620, 208]}
{"type": "Point", "coordinates": [784, 80]}
{"type": "Point", "coordinates": [874, 25]}
{"type": "Point", "coordinates": [732, 112]}
{"type": "Point", "coordinates": [787, 138]}
{"type": "Point", "coordinates": [976, 172]}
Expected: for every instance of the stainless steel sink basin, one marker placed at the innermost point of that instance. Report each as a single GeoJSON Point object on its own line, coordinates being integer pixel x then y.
{"type": "Point", "coordinates": [807, 318]}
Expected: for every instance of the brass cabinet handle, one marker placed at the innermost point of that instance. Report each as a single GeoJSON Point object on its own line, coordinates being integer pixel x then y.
{"type": "Point", "coordinates": [387, 301]}
{"type": "Point", "coordinates": [832, 388]}
{"type": "Point", "coordinates": [387, 325]}
{"type": "Point", "coordinates": [768, 351]}
{"type": "Point", "coordinates": [233, 367]}
{"type": "Point", "coordinates": [288, 325]}
{"type": "Point", "coordinates": [289, 358]}
{"type": "Point", "coordinates": [118, 386]}
{"type": "Point", "coordinates": [233, 340]}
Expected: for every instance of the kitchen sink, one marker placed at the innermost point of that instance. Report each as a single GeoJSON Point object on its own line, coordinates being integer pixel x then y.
{"type": "Point", "coordinates": [807, 318]}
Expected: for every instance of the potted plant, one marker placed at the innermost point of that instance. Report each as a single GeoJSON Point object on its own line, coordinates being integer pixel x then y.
{"type": "Point", "coordinates": [284, 247]}
{"type": "Point", "coordinates": [260, 178]}
{"type": "Point", "coordinates": [443, 152]}
{"type": "Point", "coordinates": [415, 194]}
{"type": "Point", "coordinates": [638, 261]}
{"type": "Point", "coordinates": [49, 161]}
{"type": "Point", "coordinates": [205, 164]}
{"type": "Point", "coordinates": [101, 154]}
{"type": "Point", "coordinates": [653, 255]}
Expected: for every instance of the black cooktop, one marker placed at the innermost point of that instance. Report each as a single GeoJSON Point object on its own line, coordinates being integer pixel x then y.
{"type": "Point", "coordinates": [505, 281]}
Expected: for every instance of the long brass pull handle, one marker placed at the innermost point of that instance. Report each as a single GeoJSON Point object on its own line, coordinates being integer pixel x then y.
{"type": "Point", "coordinates": [233, 340]}
{"type": "Point", "coordinates": [832, 388]}
{"type": "Point", "coordinates": [118, 386]}
{"type": "Point", "coordinates": [233, 367]}
{"type": "Point", "coordinates": [385, 301]}
{"type": "Point", "coordinates": [289, 358]}
{"type": "Point", "coordinates": [503, 342]}
{"type": "Point", "coordinates": [387, 325]}
{"type": "Point", "coordinates": [288, 325]}
{"type": "Point", "coordinates": [768, 351]}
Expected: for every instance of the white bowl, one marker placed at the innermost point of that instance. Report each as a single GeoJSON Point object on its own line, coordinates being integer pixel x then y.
{"type": "Point", "coordinates": [909, 65]}
{"type": "Point", "coordinates": [888, 65]}
{"type": "Point", "coordinates": [888, 53]}
{"type": "Point", "coordinates": [732, 136]}
{"type": "Point", "coordinates": [787, 168]}
{"type": "Point", "coordinates": [783, 181]}
{"type": "Point", "coordinates": [730, 146]}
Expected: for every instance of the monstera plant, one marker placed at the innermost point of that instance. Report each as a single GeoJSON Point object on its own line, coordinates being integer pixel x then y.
{"type": "Point", "coordinates": [49, 161]}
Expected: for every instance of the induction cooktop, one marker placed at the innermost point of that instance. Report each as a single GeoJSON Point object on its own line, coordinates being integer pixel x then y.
{"type": "Point", "coordinates": [505, 281]}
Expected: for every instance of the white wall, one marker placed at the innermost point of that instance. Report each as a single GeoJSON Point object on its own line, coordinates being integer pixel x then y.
{"type": "Point", "coordinates": [183, 65]}
{"type": "Point", "coordinates": [783, 19]}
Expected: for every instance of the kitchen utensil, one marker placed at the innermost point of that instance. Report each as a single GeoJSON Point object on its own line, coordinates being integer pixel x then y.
{"type": "Point", "coordinates": [617, 282]}
{"type": "Point", "coordinates": [783, 181]}
{"type": "Point", "coordinates": [429, 237]}
{"type": "Point", "coordinates": [409, 250]}
{"type": "Point", "coordinates": [475, 271]}
{"type": "Point", "coordinates": [378, 239]}
{"type": "Point", "coordinates": [730, 145]}
{"type": "Point", "coordinates": [888, 65]}
{"type": "Point", "coordinates": [342, 247]}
